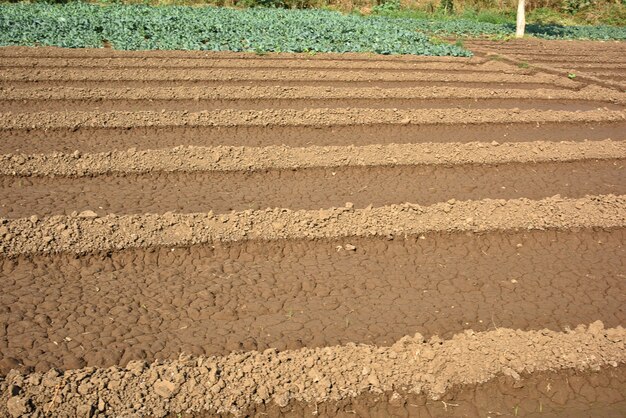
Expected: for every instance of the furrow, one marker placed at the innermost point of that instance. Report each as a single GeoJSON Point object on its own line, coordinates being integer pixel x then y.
{"type": "Point", "coordinates": [192, 159]}
{"type": "Point", "coordinates": [192, 105]}
{"type": "Point", "coordinates": [206, 84]}
{"type": "Point", "coordinates": [94, 140]}
{"type": "Point", "coordinates": [590, 48]}
{"type": "Point", "coordinates": [590, 93]}
{"type": "Point", "coordinates": [84, 233]}
{"type": "Point", "coordinates": [195, 99]}
{"type": "Point", "coordinates": [591, 57]}
{"type": "Point", "coordinates": [312, 188]}
{"type": "Point", "coordinates": [591, 65]}
{"type": "Point", "coordinates": [285, 294]}
{"type": "Point", "coordinates": [618, 78]}
{"type": "Point", "coordinates": [444, 69]}
{"type": "Point", "coordinates": [431, 367]}
{"type": "Point", "coordinates": [253, 64]}
{"type": "Point", "coordinates": [562, 46]}
{"type": "Point", "coordinates": [278, 76]}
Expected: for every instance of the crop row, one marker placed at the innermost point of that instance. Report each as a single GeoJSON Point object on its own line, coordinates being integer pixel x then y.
{"type": "Point", "coordinates": [133, 27]}
{"type": "Point", "coordinates": [77, 25]}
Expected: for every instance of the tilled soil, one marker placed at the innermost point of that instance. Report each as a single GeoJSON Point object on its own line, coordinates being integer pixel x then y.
{"type": "Point", "coordinates": [230, 383]}
{"type": "Point", "coordinates": [190, 233]}
{"type": "Point", "coordinates": [95, 140]}
{"type": "Point", "coordinates": [569, 393]}
{"type": "Point", "coordinates": [602, 63]}
{"type": "Point", "coordinates": [313, 188]}
{"type": "Point", "coordinates": [297, 293]}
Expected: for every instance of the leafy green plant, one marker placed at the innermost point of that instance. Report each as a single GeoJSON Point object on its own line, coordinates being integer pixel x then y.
{"type": "Point", "coordinates": [260, 30]}
{"type": "Point", "coordinates": [77, 25]}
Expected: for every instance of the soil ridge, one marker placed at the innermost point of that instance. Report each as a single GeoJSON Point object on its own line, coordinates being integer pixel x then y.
{"type": "Point", "coordinates": [243, 158]}
{"type": "Point", "coordinates": [238, 381]}
{"type": "Point", "coordinates": [308, 117]}
{"type": "Point", "coordinates": [88, 232]}
{"type": "Point", "coordinates": [306, 92]}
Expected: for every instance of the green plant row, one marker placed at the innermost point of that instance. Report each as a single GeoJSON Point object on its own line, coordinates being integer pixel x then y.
{"type": "Point", "coordinates": [138, 27]}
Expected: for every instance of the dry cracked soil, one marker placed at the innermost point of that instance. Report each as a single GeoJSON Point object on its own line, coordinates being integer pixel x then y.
{"type": "Point", "coordinates": [223, 234]}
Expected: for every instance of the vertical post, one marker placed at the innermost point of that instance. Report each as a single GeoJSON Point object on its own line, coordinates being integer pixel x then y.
{"type": "Point", "coordinates": [521, 19]}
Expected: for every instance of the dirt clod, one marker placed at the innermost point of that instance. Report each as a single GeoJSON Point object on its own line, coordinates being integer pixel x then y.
{"type": "Point", "coordinates": [88, 214]}
{"type": "Point", "coordinates": [165, 388]}
{"type": "Point", "coordinates": [18, 406]}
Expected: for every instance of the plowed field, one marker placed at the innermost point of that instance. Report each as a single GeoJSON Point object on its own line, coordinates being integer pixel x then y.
{"type": "Point", "coordinates": [213, 234]}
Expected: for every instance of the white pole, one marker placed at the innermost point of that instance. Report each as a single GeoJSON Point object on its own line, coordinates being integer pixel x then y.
{"type": "Point", "coordinates": [521, 18]}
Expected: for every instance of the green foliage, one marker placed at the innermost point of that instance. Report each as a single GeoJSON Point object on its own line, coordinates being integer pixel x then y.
{"type": "Point", "coordinates": [474, 29]}
{"type": "Point", "coordinates": [488, 16]}
{"type": "Point", "coordinates": [608, 14]}
{"type": "Point", "coordinates": [546, 16]}
{"type": "Point", "coordinates": [573, 6]}
{"type": "Point", "coordinates": [387, 7]}
{"type": "Point", "coordinates": [259, 30]}
{"type": "Point", "coordinates": [77, 25]}
{"type": "Point", "coordinates": [577, 32]}
{"type": "Point", "coordinates": [553, 12]}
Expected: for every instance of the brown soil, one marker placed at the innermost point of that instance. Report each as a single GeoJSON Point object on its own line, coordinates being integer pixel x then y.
{"type": "Point", "coordinates": [310, 189]}
{"type": "Point", "coordinates": [86, 231]}
{"type": "Point", "coordinates": [159, 207]}
{"type": "Point", "coordinates": [541, 394]}
{"type": "Point", "coordinates": [210, 84]}
{"type": "Point", "coordinates": [298, 118]}
{"type": "Point", "coordinates": [192, 105]}
{"type": "Point", "coordinates": [586, 94]}
{"type": "Point", "coordinates": [281, 73]}
{"type": "Point", "coordinates": [88, 140]}
{"type": "Point", "coordinates": [192, 159]}
{"type": "Point", "coordinates": [229, 384]}
{"type": "Point", "coordinates": [580, 59]}
{"type": "Point", "coordinates": [68, 312]}
{"type": "Point", "coordinates": [258, 98]}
